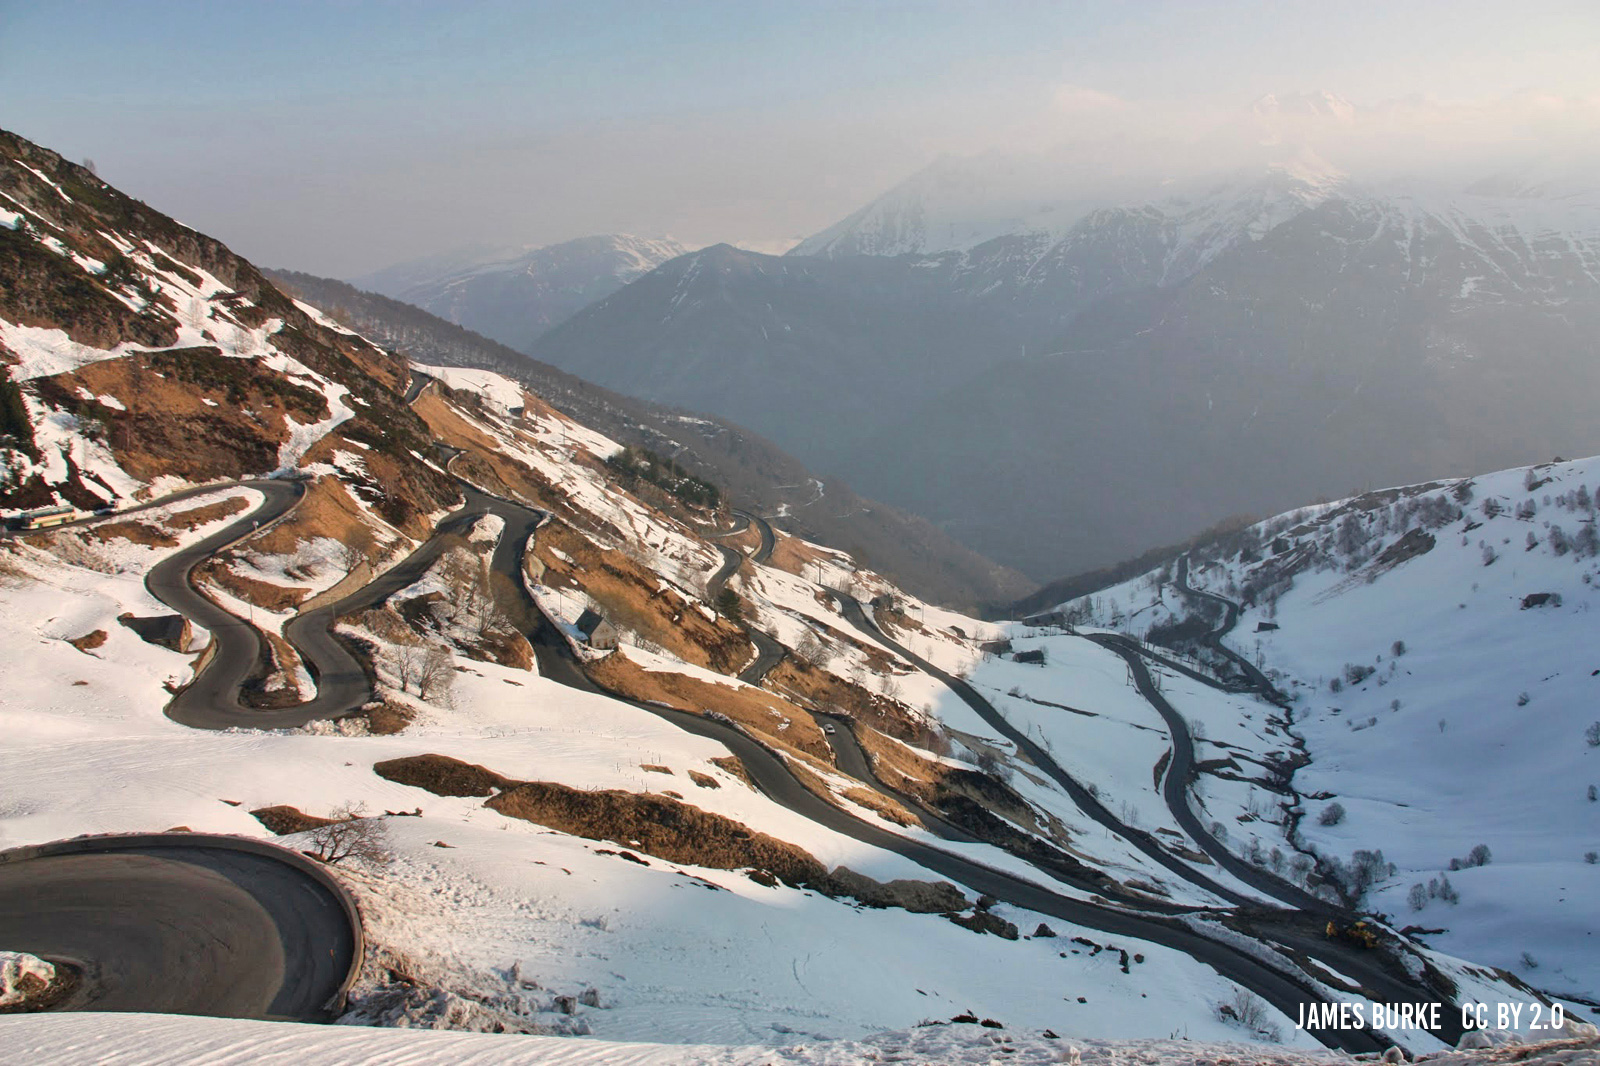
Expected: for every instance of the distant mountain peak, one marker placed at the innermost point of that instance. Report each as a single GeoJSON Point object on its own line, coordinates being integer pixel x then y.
{"type": "Point", "coordinates": [514, 295]}
{"type": "Point", "coordinates": [1318, 104]}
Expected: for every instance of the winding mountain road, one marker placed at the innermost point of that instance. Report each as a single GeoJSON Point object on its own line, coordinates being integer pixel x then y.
{"type": "Point", "coordinates": [1085, 800]}
{"type": "Point", "coordinates": [1366, 967]}
{"type": "Point", "coordinates": [1230, 618]}
{"type": "Point", "coordinates": [216, 704]}
{"type": "Point", "coordinates": [184, 923]}
{"type": "Point", "coordinates": [212, 700]}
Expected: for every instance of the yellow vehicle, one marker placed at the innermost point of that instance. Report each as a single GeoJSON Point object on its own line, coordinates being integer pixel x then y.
{"type": "Point", "coordinates": [45, 517]}
{"type": "Point", "coordinates": [1359, 933]}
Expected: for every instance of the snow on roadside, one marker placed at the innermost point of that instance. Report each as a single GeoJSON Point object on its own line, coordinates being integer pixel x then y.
{"type": "Point", "coordinates": [16, 968]}
{"type": "Point", "coordinates": [168, 1040]}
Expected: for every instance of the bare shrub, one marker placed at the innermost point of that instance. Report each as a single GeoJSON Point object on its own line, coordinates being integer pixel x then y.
{"type": "Point", "coordinates": [351, 836]}
{"type": "Point", "coordinates": [403, 661]}
{"type": "Point", "coordinates": [1250, 1012]}
{"type": "Point", "coordinates": [1332, 814]}
{"type": "Point", "coordinates": [435, 674]}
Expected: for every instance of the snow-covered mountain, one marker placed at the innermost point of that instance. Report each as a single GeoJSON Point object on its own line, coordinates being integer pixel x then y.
{"type": "Point", "coordinates": [959, 203]}
{"type": "Point", "coordinates": [1264, 337]}
{"type": "Point", "coordinates": [1438, 642]}
{"type": "Point", "coordinates": [514, 295]}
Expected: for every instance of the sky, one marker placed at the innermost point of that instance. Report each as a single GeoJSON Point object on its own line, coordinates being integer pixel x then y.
{"type": "Point", "coordinates": [341, 137]}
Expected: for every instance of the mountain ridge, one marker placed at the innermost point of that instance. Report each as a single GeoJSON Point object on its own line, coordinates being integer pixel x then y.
{"type": "Point", "coordinates": [513, 296]}
{"type": "Point", "coordinates": [1405, 334]}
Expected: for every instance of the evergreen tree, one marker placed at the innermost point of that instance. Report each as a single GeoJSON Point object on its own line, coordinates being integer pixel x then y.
{"type": "Point", "coordinates": [14, 421]}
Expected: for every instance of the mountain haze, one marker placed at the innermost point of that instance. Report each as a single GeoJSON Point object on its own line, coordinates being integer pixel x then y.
{"type": "Point", "coordinates": [754, 471]}
{"type": "Point", "coordinates": [514, 296]}
{"type": "Point", "coordinates": [1060, 398]}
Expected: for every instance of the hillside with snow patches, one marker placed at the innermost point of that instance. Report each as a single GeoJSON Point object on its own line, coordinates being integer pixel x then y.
{"type": "Point", "coordinates": [516, 925]}
{"type": "Point", "coordinates": [532, 791]}
{"type": "Point", "coordinates": [498, 922]}
{"type": "Point", "coordinates": [1438, 643]}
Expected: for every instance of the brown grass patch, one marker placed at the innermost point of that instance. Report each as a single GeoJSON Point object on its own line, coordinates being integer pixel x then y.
{"type": "Point", "coordinates": [196, 517]}
{"type": "Point", "coordinates": [327, 510]}
{"type": "Point", "coordinates": [483, 462]}
{"type": "Point", "coordinates": [730, 764]}
{"type": "Point", "coordinates": [747, 539]}
{"type": "Point", "coordinates": [168, 429]}
{"type": "Point", "coordinates": [286, 690]}
{"type": "Point", "coordinates": [282, 820]}
{"type": "Point", "coordinates": [759, 711]}
{"type": "Point", "coordinates": [442, 775]}
{"type": "Point", "coordinates": [981, 805]}
{"type": "Point", "coordinates": [631, 597]}
{"type": "Point", "coordinates": [706, 780]}
{"type": "Point", "coordinates": [880, 804]}
{"type": "Point", "coordinates": [136, 532]}
{"type": "Point", "coordinates": [650, 767]}
{"type": "Point", "coordinates": [386, 719]}
{"type": "Point", "coordinates": [89, 641]}
{"type": "Point", "coordinates": [659, 826]}
{"type": "Point", "coordinates": [264, 594]}
{"type": "Point", "coordinates": [824, 689]}
{"type": "Point", "coordinates": [796, 556]}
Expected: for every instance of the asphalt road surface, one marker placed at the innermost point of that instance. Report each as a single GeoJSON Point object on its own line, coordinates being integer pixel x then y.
{"type": "Point", "coordinates": [1230, 618]}
{"type": "Point", "coordinates": [1086, 801]}
{"type": "Point", "coordinates": [212, 701]}
{"type": "Point", "coordinates": [763, 552]}
{"type": "Point", "coordinates": [183, 924]}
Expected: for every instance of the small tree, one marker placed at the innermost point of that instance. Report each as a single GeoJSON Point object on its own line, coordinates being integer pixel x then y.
{"type": "Point", "coordinates": [358, 546]}
{"type": "Point", "coordinates": [1332, 814]}
{"type": "Point", "coordinates": [351, 836]}
{"type": "Point", "coordinates": [1592, 735]}
{"type": "Point", "coordinates": [404, 661]}
{"type": "Point", "coordinates": [1418, 896]}
{"type": "Point", "coordinates": [1479, 855]}
{"type": "Point", "coordinates": [1397, 649]}
{"type": "Point", "coordinates": [728, 605]}
{"type": "Point", "coordinates": [435, 673]}
{"type": "Point", "coordinates": [811, 650]}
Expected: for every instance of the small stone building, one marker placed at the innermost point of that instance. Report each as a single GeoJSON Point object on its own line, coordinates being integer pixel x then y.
{"type": "Point", "coordinates": [597, 632]}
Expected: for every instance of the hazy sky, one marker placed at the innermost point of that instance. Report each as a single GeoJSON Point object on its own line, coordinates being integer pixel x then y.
{"type": "Point", "coordinates": [342, 137]}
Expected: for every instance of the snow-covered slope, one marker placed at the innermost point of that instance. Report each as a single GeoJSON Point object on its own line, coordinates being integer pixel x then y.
{"type": "Point", "coordinates": [82, 1040]}
{"type": "Point", "coordinates": [139, 356]}
{"type": "Point", "coordinates": [1439, 642]}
